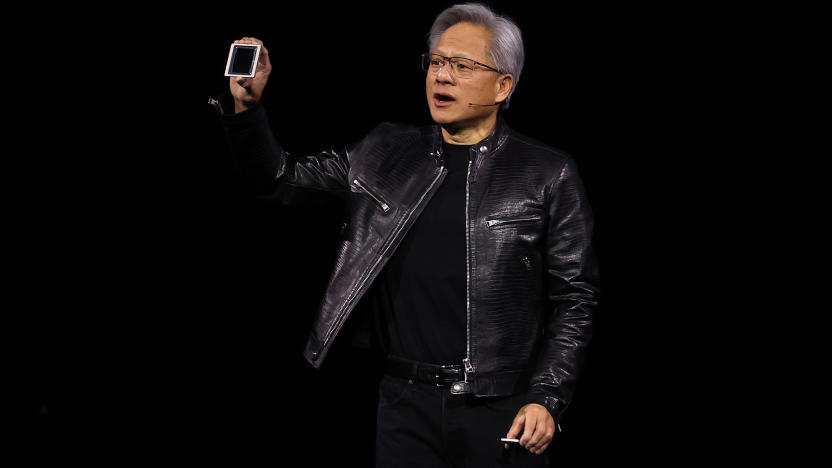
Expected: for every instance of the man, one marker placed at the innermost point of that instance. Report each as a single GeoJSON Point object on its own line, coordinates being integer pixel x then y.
{"type": "Point", "coordinates": [472, 242]}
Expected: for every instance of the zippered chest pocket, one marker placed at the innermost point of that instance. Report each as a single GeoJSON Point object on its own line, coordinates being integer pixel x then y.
{"type": "Point", "coordinates": [358, 185]}
{"type": "Point", "coordinates": [512, 220]}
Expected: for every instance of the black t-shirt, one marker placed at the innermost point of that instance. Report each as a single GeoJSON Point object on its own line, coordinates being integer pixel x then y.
{"type": "Point", "coordinates": [421, 291]}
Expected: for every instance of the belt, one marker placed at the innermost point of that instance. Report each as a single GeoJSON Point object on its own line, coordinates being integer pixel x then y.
{"type": "Point", "coordinates": [442, 376]}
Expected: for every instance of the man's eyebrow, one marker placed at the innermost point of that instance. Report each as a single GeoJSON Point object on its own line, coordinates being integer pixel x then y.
{"type": "Point", "coordinates": [452, 56]}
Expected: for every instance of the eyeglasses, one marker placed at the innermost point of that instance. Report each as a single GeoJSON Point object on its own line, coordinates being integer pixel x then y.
{"type": "Point", "coordinates": [461, 67]}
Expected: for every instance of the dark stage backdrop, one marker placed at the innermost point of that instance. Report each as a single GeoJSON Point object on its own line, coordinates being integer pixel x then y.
{"type": "Point", "coordinates": [156, 309]}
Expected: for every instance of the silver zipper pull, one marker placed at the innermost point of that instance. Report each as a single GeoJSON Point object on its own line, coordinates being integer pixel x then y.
{"type": "Point", "coordinates": [469, 368]}
{"type": "Point", "coordinates": [217, 105]}
{"type": "Point", "coordinates": [384, 206]}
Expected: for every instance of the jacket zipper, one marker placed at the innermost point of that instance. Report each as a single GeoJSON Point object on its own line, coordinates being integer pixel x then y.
{"type": "Point", "coordinates": [384, 206]}
{"type": "Point", "coordinates": [332, 329]}
{"type": "Point", "coordinates": [497, 222]}
{"type": "Point", "coordinates": [469, 368]}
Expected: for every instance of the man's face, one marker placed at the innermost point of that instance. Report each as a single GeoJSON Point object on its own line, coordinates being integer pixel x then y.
{"type": "Point", "coordinates": [448, 95]}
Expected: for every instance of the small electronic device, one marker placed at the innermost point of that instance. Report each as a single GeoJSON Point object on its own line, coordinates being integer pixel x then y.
{"type": "Point", "coordinates": [242, 60]}
{"type": "Point", "coordinates": [510, 441]}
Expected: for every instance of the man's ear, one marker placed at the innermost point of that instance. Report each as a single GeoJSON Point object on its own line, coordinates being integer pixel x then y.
{"type": "Point", "coordinates": [503, 87]}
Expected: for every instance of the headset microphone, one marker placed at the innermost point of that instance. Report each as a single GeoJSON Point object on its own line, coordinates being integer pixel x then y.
{"type": "Point", "coordinates": [471, 104]}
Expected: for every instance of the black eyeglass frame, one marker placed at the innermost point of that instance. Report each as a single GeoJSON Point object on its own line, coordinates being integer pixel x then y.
{"type": "Point", "coordinates": [447, 60]}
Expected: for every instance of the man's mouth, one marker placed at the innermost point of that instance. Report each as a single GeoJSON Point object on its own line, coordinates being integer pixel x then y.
{"type": "Point", "coordinates": [442, 99]}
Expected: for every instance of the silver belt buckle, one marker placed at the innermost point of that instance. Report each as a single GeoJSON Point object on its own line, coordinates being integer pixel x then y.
{"type": "Point", "coordinates": [439, 375]}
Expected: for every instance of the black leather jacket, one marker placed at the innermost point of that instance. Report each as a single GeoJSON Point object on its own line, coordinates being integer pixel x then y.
{"type": "Point", "coordinates": [532, 277]}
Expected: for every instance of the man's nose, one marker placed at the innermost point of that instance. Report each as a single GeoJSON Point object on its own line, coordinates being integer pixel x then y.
{"type": "Point", "coordinates": [443, 75]}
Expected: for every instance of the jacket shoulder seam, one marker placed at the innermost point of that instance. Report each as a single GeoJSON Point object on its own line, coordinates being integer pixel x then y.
{"type": "Point", "coordinates": [539, 145]}
{"type": "Point", "coordinates": [564, 157]}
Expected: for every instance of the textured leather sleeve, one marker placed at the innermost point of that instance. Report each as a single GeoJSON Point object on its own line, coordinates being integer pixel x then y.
{"type": "Point", "coordinates": [572, 285]}
{"type": "Point", "coordinates": [272, 173]}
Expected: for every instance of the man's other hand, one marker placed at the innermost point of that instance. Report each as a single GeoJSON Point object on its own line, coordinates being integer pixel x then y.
{"type": "Point", "coordinates": [536, 425]}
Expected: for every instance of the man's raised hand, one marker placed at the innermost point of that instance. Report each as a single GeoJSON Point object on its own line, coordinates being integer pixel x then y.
{"type": "Point", "coordinates": [248, 91]}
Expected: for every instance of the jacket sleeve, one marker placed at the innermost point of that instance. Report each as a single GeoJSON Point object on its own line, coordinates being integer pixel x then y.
{"type": "Point", "coordinates": [273, 174]}
{"type": "Point", "coordinates": [571, 281]}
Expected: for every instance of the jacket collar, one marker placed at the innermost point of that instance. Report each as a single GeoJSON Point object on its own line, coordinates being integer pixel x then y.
{"type": "Point", "coordinates": [487, 146]}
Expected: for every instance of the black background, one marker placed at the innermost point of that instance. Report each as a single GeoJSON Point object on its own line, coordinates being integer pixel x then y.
{"type": "Point", "coordinates": [154, 309]}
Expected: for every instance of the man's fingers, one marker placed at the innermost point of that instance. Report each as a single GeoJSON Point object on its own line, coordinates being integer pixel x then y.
{"type": "Point", "coordinates": [249, 40]}
{"type": "Point", "coordinates": [538, 435]}
{"type": "Point", "coordinates": [542, 447]}
{"type": "Point", "coordinates": [528, 431]}
{"type": "Point", "coordinates": [516, 426]}
{"type": "Point", "coordinates": [540, 439]}
{"type": "Point", "coordinates": [544, 429]}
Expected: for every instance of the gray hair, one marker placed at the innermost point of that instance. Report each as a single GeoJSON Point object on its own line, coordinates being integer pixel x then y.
{"type": "Point", "coordinates": [506, 50]}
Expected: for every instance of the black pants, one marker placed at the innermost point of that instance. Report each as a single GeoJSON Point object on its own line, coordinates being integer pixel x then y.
{"type": "Point", "coordinates": [422, 425]}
